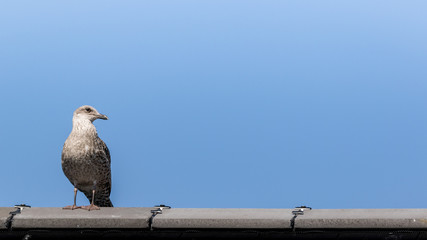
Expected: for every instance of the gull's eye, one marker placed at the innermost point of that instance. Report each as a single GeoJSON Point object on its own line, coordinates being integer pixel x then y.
{"type": "Point", "coordinates": [88, 110]}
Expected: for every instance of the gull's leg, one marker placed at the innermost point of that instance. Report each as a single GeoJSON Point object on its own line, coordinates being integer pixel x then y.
{"type": "Point", "coordinates": [74, 205]}
{"type": "Point", "coordinates": [92, 206]}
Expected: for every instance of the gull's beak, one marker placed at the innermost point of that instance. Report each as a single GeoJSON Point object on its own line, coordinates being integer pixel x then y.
{"type": "Point", "coordinates": [102, 116]}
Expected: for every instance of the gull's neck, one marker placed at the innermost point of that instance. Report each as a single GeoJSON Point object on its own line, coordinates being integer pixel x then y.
{"type": "Point", "coordinates": [83, 126]}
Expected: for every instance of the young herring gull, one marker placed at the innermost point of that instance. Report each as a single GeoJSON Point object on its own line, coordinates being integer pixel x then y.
{"type": "Point", "coordinates": [86, 160]}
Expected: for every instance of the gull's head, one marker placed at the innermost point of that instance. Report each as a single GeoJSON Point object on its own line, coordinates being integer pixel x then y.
{"type": "Point", "coordinates": [88, 113]}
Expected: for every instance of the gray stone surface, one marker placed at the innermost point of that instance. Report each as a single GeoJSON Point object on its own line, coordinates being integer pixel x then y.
{"type": "Point", "coordinates": [4, 214]}
{"type": "Point", "coordinates": [198, 218]}
{"type": "Point", "coordinates": [104, 218]}
{"type": "Point", "coordinates": [363, 218]}
{"type": "Point", "coordinates": [223, 218]}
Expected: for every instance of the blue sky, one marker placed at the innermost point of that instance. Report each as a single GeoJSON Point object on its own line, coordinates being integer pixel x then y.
{"type": "Point", "coordinates": [223, 104]}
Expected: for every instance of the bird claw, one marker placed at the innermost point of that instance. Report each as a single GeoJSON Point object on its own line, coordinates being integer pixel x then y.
{"type": "Point", "coordinates": [71, 207]}
{"type": "Point", "coordinates": [91, 207]}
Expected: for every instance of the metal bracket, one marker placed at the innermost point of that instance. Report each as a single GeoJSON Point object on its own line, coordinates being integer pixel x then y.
{"type": "Point", "coordinates": [160, 209]}
{"type": "Point", "coordinates": [22, 206]}
{"type": "Point", "coordinates": [296, 212]}
{"type": "Point", "coordinates": [154, 213]}
{"type": "Point", "coordinates": [18, 210]}
{"type": "Point", "coordinates": [300, 210]}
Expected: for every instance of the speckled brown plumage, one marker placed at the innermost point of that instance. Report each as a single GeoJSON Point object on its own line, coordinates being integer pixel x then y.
{"type": "Point", "coordinates": [86, 159]}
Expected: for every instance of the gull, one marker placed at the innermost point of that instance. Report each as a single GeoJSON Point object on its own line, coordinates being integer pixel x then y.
{"type": "Point", "coordinates": [86, 160]}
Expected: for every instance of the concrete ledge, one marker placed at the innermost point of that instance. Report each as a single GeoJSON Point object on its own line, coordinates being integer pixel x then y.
{"type": "Point", "coordinates": [31, 218]}
{"type": "Point", "coordinates": [4, 214]}
{"type": "Point", "coordinates": [362, 218]}
{"type": "Point", "coordinates": [183, 219]}
{"type": "Point", "coordinates": [223, 218]}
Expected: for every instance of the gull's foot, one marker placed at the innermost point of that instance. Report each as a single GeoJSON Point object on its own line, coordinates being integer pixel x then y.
{"type": "Point", "coordinates": [91, 207]}
{"type": "Point", "coordinates": [71, 207]}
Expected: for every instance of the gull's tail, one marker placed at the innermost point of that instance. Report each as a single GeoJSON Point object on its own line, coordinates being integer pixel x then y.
{"type": "Point", "coordinates": [100, 200]}
{"type": "Point", "coordinates": [106, 202]}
